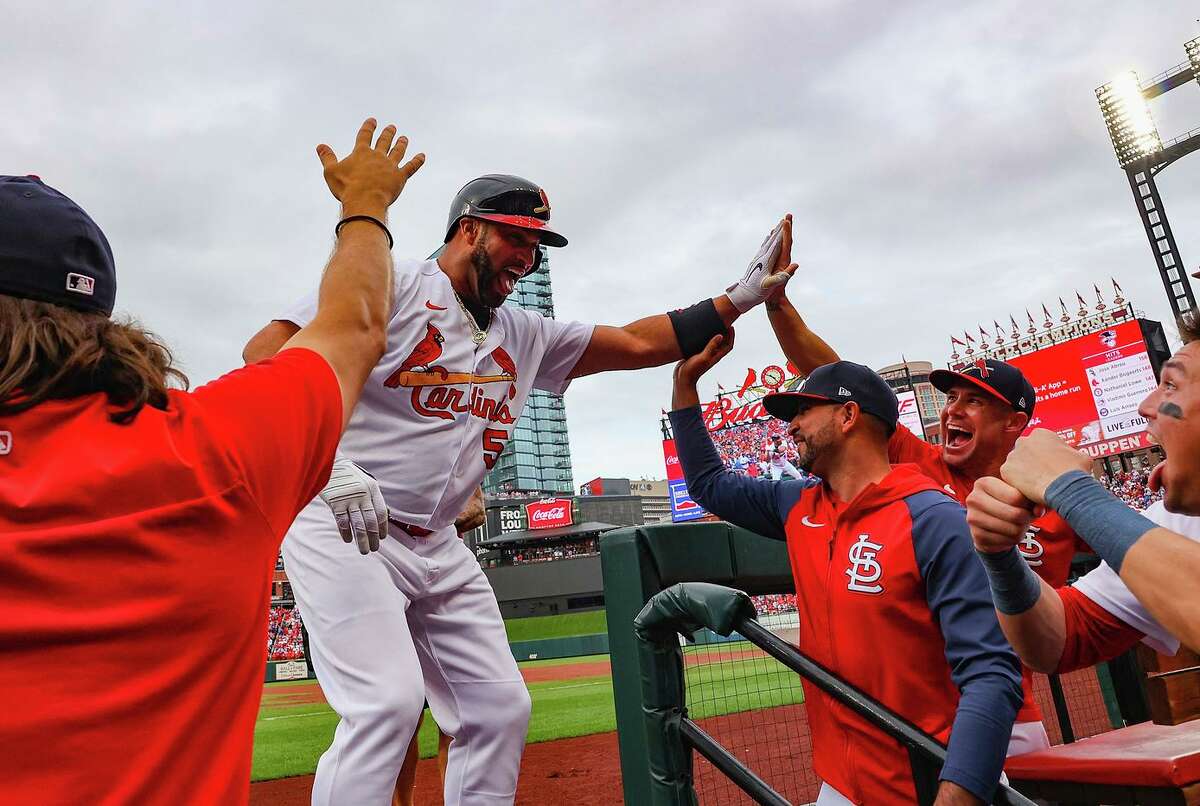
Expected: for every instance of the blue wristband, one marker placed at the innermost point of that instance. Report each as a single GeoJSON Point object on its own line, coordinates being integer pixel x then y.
{"type": "Point", "coordinates": [1107, 525]}
{"type": "Point", "coordinates": [1015, 588]}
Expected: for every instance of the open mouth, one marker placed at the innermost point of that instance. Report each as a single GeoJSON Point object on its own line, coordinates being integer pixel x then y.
{"type": "Point", "coordinates": [957, 437]}
{"type": "Point", "coordinates": [506, 281]}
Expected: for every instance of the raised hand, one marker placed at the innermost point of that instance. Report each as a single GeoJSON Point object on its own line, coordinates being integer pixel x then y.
{"type": "Point", "coordinates": [1039, 459]}
{"type": "Point", "coordinates": [370, 177]}
{"type": "Point", "coordinates": [998, 515]}
{"type": "Point", "coordinates": [689, 370]}
{"type": "Point", "coordinates": [769, 269]}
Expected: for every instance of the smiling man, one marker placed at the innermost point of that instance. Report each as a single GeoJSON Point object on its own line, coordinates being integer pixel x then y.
{"type": "Point", "coordinates": [1146, 589]}
{"type": "Point", "coordinates": [988, 406]}
{"type": "Point", "coordinates": [880, 557]}
{"type": "Point", "coordinates": [417, 618]}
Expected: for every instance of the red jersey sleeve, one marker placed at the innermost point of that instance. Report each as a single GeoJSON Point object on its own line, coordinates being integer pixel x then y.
{"type": "Point", "coordinates": [280, 421]}
{"type": "Point", "coordinates": [1092, 633]}
{"type": "Point", "coordinates": [907, 447]}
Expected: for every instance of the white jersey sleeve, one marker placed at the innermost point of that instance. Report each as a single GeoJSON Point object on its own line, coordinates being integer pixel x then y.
{"type": "Point", "coordinates": [565, 343]}
{"type": "Point", "coordinates": [1104, 586]}
{"type": "Point", "coordinates": [302, 312]}
{"type": "Point", "coordinates": [305, 309]}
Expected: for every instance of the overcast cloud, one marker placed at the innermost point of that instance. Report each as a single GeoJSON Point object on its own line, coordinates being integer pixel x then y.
{"type": "Point", "coordinates": [946, 163]}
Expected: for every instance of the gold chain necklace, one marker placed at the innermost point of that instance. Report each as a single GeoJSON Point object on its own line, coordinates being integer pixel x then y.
{"type": "Point", "coordinates": [478, 334]}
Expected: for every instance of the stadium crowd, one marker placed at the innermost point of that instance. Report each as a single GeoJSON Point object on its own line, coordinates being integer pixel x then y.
{"type": "Point", "coordinates": [746, 448]}
{"type": "Point", "coordinates": [771, 604]}
{"type": "Point", "coordinates": [285, 639]}
{"type": "Point", "coordinates": [1132, 487]}
{"type": "Point", "coordinates": [525, 555]}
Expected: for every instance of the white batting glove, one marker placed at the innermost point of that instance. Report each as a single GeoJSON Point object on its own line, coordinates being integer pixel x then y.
{"type": "Point", "coordinates": [358, 506]}
{"type": "Point", "coordinates": [758, 282]}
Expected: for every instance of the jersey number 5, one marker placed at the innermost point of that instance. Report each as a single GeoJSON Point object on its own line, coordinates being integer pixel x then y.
{"type": "Point", "coordinates": [493, 444]}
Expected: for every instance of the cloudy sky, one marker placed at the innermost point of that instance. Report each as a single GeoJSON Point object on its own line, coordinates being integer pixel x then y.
{"type": "Point", "coordinates": [946, 163]}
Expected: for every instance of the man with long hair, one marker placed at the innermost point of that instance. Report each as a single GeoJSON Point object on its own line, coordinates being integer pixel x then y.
{"type": "Point", "coordinates": [139, 522]}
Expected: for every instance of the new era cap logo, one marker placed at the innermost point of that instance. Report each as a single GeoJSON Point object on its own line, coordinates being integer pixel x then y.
{"type": "Point", "coordinates": [843, 391]}
{"type": "Point", "coordinates": [5, 442]}
{"type": "Point", "coordinates": [81, 284]}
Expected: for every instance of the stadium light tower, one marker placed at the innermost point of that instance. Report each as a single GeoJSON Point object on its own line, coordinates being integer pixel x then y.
{"type": "Point", "coordinates": [1141, 153]}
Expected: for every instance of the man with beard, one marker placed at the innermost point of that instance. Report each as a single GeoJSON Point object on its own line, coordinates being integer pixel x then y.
{"type": "Point", "coordinates": [1146, 588]}
{"type": "Point", "coordinates": [988, 406]}
{"type": "Point", "coordinates": [880, 558]}
{"type": "Point", "coordinates": [432, 421]}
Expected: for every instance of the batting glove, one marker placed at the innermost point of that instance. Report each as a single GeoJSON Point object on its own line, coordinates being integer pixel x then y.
{"type": "Point", "coordinates": [358, 506]}
{"type": "Point", "coordinates": [758, 282]}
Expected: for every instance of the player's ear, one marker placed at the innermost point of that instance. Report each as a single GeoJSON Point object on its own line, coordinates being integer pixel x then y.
{"type": "Point", "coordinates": [849, 415]}
{"type": "Point", "coordinates": [1017, 422]}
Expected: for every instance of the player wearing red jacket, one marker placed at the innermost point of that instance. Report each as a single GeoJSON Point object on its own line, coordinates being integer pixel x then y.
{"type": "Point", "coordinates": [890, 592]}
{"type": "Point", "coordinates": [988, 406]}
{"type": "Point", "coordinates": [139, 524]}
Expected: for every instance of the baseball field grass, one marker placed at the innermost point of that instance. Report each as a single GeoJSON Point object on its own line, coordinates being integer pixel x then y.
{"type": "Point", "coordinates": [559, 626]}
{"type": "Point", "coordinates": [290, 734]}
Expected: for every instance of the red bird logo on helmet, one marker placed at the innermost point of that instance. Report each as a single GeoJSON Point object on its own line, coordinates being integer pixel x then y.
{"type": "Point", "coordinates": [508, 366]}
{"type": "Point", "coordinates": [428, 350]}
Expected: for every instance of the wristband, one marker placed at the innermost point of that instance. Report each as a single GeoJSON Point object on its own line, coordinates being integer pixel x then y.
{"type": "Point", "coordinates": [338, 229]}
{"type": "Point", "coordinates": [1105, 524]}
{"type": "Point", "coordinates": [695, 326]}
{"type": "Point", "coordinates": [1015, 588]}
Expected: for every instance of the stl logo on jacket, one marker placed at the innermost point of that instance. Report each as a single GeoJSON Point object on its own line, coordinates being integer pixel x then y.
{"type": "Point", "coordinates": [864, 570]}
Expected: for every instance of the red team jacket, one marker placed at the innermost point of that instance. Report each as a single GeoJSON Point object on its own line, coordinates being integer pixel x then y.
{"type": "Point", "coordinates": [135, 568]}
{"type": "Point", "coordinates": [893, 599]}
{"type": "Point", "coordinates": [1049, 545]}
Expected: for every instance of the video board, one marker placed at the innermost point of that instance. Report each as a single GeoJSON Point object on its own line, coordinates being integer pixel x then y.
{"type": "Point", "coordinates": [1089, 388]}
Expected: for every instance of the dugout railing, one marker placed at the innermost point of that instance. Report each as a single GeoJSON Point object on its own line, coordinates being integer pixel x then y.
{"type": "Point", "coordinates": [640, 562]}
{"type": "Point", "coordinates": [687, 607]}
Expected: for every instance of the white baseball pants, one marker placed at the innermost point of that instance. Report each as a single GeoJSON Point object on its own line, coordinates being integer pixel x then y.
{"type": "Point", "coordinates": [415, 621]}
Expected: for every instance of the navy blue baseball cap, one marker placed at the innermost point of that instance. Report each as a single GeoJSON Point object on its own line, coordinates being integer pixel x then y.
{"type": "Point", "coordinates": [997, 378]}
{"type": "Point", "coordinates": [51, 250]}
{"type": "Point", "coordinates": [839, 382]}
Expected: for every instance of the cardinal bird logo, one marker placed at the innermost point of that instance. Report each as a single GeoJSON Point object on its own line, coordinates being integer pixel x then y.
{"type": "Point", "coordinates": [428, 350]}
{"type": "Point", "coordinates": [508, 366]}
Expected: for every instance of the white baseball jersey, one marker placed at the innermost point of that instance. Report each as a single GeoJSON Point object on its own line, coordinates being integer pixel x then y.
{"type": "Point", "coordinates": [1104, 587]}
{"type": "Point", "coordinates": [437, 409]}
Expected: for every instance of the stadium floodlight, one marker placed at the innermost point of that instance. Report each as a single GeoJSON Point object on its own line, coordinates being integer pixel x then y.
{"type": "Point", "coordinates": [1127, 116]}
{"type": "Point", "coordinates": [1193, 52]}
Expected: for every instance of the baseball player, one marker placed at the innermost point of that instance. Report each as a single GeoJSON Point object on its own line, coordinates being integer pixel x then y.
{"type": "Point", "coordinates": [139, 522]}
{"type": "Point", "coordinates": [780, 466]}
{"type": "Point", "coordinates": [880, 557]}
{"type": "Point", "coordinates": [432, 421]}
{"type": "Point", "coordinates": [988, 406]}
{"type": "Point", "coordinates": [1147, 584]}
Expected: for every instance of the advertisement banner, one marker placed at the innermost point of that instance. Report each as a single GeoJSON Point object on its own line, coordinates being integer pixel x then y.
{"type": "Point", "coordinates": [549, 513]}
{"type": "Point", "coordinates": [683, 508]}
{"type": "Point", "coordinates": [1089, 388]}
{"type": "Point", "coordinates": [910, 415]}
{"type": "Point", "coordinates": [512, 519]}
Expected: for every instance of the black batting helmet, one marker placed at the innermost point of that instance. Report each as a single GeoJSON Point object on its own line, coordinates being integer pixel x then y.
{"type": "Point", "coordinates": [508, 200]}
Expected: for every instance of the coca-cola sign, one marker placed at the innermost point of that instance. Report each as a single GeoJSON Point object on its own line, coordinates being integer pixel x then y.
{"type": "Point", "coordinates": [549, 513]}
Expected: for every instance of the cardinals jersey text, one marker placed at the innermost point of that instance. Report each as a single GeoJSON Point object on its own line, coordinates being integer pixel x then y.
{"type": "Point", "coordinates": [437, 410]}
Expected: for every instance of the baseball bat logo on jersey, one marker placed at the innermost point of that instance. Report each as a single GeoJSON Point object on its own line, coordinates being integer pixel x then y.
{"type": "Point", "coordinates": [1031, 548]}
{"type": "Point", "coordinates": [439, 393]}
{"type": "Point", "coordinates": [864, 570]}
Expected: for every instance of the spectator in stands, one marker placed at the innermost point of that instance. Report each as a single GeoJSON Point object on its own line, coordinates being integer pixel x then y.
{"type": "Point", "coordinates": [1147, 584]}
{"type": "Point", "coordinates": [123, 501]}
{"type": "Point", "coordinates": [881, 557]}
